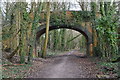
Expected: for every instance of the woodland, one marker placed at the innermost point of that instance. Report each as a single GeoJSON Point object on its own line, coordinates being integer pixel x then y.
{"type": "Point", "coordinates": [34, 33]}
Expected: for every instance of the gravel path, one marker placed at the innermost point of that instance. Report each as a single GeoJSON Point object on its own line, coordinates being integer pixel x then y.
{"type": "Point", "coordinates": [69, 65]}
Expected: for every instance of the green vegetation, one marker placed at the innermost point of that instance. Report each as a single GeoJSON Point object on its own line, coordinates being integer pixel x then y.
{"type": "Point", "coordinates": [106, 28]}
{"type": "Point", "coordinates": [16, 71]}
{"type": "Point", "coordinates": [20, 22]}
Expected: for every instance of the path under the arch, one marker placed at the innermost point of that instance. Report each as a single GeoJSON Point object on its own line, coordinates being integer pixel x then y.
{"type": "Point", "coordinates": [69, 65]}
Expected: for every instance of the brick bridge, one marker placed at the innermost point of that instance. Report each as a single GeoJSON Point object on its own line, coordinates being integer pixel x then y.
{"type": "Point", "coordinates": [69, 22]}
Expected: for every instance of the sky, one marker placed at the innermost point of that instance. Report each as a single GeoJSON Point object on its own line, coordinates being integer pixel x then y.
{"type": "Point", "coordinates": [75, 6]}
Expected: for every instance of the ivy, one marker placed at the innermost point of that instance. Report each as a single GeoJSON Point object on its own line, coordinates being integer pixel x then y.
{"type": "Point", "coordinates": [106, 27]}
{"type": "Point", "coordinates": [82, 15]}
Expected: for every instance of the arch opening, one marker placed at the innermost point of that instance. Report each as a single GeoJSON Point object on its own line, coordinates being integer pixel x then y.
{"type": "Point", "coordinates": [61, 40]}
{"type": "Point", "coordinates": [41, 30]}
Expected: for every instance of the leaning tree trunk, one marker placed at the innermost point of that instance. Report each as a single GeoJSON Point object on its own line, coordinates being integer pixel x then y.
{"type": "Point", "coordinates": [47, 30]}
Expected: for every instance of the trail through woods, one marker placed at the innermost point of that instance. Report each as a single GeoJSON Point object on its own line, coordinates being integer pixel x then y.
{"type": "Point", "coordinates": [69, 65]}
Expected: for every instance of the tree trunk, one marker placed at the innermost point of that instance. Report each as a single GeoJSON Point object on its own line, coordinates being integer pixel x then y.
{"type": "Point", "coordinates": [13, 53]}
{"type": "Point", "coordinates": [47, 30]}
{"type": "Point", "coordinates": [55, 40]}
{"type": "Point", "coordinates": [63, 39]}
{"type": "Point", "coordinates": [21, 39]}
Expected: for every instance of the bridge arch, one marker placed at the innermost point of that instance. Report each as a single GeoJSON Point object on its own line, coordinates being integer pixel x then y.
{"type": "Point", "coordinates": [42, 29]}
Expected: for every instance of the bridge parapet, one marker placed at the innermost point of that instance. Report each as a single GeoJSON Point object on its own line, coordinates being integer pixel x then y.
{"type": "Point", "coordinates": [82, 18]}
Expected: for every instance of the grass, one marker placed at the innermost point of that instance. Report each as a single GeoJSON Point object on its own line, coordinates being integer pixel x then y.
{"type": "Point", "coordinates": [106, 67]}
{"type": "Point", "coordinates": [109, 65]}
{"type": "Point", "coordinates": [52, 53]}
{"type": "Point", "coordinates": [15, 71]}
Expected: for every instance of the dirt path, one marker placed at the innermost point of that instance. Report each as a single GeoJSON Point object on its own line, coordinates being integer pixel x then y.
{"type": "Point", "coordinates": [69, 65]}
